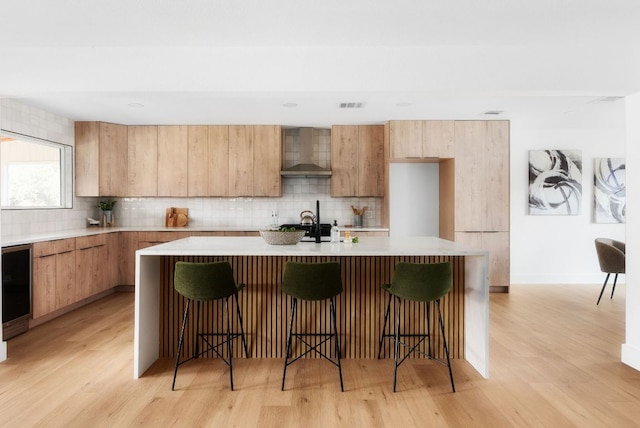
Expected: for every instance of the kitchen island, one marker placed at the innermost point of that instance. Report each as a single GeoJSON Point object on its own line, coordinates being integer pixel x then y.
{"type": "Point", "coordinates": [365, 266]}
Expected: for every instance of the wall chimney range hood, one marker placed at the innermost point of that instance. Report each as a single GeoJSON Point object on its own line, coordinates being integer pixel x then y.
{"type": "Point", "coordinates": [306, 167]}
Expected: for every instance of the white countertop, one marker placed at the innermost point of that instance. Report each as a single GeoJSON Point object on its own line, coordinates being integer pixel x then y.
{"type": "Point", "coordinates": [256, 246]}
{"type": "Point", "coordinates": [74, 233]}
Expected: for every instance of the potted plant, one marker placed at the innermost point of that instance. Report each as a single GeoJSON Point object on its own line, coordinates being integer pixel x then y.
{"type": "Point", "coordinates": [107, 209]}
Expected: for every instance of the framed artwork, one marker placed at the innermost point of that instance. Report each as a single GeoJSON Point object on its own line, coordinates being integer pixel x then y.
{"type": "Point", "coordinates": [555, 182]}
{"type": "Point", "coordinates": [609, 190]}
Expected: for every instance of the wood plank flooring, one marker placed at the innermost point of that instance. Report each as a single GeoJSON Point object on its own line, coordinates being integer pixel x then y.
{"type": "Point", "coordinates": [555, 362]}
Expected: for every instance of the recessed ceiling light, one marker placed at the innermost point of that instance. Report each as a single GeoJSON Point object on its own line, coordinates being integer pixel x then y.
{"type": "Point", "coordinates": [289, 105]}
{"type": "Point", "coordinates": [403, 104]}
{"type": "Point", "coordinates": [135, 105]}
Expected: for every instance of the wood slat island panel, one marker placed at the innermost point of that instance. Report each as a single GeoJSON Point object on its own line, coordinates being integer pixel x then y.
{"type": "Point", "coordinates": [265, 309]}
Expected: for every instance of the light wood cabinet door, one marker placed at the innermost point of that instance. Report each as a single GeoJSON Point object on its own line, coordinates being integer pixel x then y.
{"type": "Point", "coordinates": [44, 285]}
{"type": "Point", "coordinates": [469, 190]}
{"type": "Point", "coordinates": [496, 176]}
{"type": "Point", "coordinates": [344, 156]}
{"type": "Point", "coordinates": [371, 176]}
{"type": "Point", "coordinates": [91, 266]}
{"type": "Point", "coordinates": [208, 169]}
{"type": "Point", "coordinates": [482, 175]}
{"type": "Point", "coordinates": [267, 160]}
{"type": "Point", "coordinates": [172, 161]}
{"type": "Point", "coordinates": [54, 283]}
{"type": "Point", "coordinates": [437, 139]}
{"type": "Point", "coordinates": [87, 159]}
{"type": "Point", "coordinates": [113, 159]}
{"type": "Point", "coordinates": [497, 243]}
{"type": "Point", "coordinates": [405, 139]}
{"type": "Point", "coordinates": [218, 160]}
{"type": "Point", "coordinates": [240, 160]}
{"type": "Point", "coordinates": [142, 161]}
{"type": "Point", "coordinates": [100, 159]}
{"type": "Point", "coordinates": [357, 160]}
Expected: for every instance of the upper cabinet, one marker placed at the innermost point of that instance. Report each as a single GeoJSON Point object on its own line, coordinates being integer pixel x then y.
{"type": "Point", "coordinates": [142, 161]}
{"type": "Point", "coordinates": [357, 160]}
{"type": "Point", "coordinates": [418, 139]}
{"type": "Point", "coordinates": [100, 159]}
{"type": "Point", "coordinates": [267, 160]}
{"type": "Point", "coordinates": [172, 160]}
{"type": "Point", "coordinates": [208, 160]}
{"type": "Point", "coordinates": [482, 176]}
{"type": "Point", "coordinates": [240, 160]}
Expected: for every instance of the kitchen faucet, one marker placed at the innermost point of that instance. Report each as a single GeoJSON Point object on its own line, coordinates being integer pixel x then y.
{"type": "Point", "coordinates": [318, 227]}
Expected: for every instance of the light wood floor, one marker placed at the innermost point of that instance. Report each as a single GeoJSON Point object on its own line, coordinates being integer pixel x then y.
{"type": "Point", "coordinates": [555, 362]}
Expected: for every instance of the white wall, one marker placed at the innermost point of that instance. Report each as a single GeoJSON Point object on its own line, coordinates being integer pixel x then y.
{"type": "Point", "coordinates": [413, 199]}
{"type": "Point", "coordinates": [631, 347]}
{"type": "Point", "coordinates": [560, 249]}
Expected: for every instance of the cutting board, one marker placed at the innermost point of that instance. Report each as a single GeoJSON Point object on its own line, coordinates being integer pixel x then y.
{"type": "Point", "coordinates": [176, 217]}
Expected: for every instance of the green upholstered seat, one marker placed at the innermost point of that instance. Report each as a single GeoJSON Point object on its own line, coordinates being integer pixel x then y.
{"type": "Point", "coordinates": [313, 282]}
{"type": "Point", "coordinates": [205, 281]}
{"type": "Point", "coordinates": [202, 282]}
{"type": "Point", "coordinates": [418, 282]}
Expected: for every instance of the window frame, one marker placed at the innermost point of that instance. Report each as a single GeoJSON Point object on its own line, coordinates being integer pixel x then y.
{"type": "Point", "coordinates": [66, 171]}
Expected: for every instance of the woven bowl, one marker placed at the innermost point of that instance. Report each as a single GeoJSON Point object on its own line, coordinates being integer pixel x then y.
{"type": "Point", "coordinates": [276, 237]}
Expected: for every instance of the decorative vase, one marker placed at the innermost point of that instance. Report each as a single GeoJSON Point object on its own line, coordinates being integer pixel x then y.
{"type": "Point", "coordinates": [108, 218]}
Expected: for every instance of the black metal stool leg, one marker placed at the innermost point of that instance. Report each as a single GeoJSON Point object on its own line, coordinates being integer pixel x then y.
{"type": "Point", "coordinates": [384, 327]}
{"type": "Point", "coordinates": [288, 350]}
{"type": "Point", "coordinates": [335, 334]}
{"type": "Point", "coordinates": [185, 317]}
{"type": "Point", "coordinates": [444, 342]}
{"type": "Point", "coordinates": [244, 341]}
{"type": "Point", "coordinates": [396, 350]}
{"type": "Point", "coordinates": [229, 343]}
{"type": "Point", "coordinates": [603, 287]}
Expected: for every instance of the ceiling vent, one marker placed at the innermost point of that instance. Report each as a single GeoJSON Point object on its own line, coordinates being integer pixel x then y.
{"type": "Point", "coordinates": [351, 105]}
{"type": "Point", "coordinates": [493, 112]}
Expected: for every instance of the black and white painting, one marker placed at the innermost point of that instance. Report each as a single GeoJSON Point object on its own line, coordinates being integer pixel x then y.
{"type": "Point", "coordinates": [555, 182]}
{"type": "Point", "coordinates": [610, 204]}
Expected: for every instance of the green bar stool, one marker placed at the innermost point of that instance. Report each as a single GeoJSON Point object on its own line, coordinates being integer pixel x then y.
{"type": "Point", "coordinates": [315, 282]}
{"type": "Point", "coordinates": [203, 282]}
{"type": "Point", "coordinates": [417, 282]}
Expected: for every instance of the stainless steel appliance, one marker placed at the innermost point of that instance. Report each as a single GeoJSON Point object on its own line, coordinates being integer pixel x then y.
{"type": "Point", "coordinates": [16, 290]}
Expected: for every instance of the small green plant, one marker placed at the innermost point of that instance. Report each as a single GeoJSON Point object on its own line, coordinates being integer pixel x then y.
{"type": "Point", "coordinates": [106, 205]}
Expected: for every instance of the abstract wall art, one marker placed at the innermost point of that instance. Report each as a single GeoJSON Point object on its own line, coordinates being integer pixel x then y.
{"type": "Point", "coordinates": [609, 192]}
{"type": "Point", "coordinates": [555, 182]}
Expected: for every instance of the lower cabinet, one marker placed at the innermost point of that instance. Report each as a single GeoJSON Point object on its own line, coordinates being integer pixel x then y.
{"type": "Point", "coordinates": [54, 272]}
{"type": "Point", "coordinates": [66, 271]}
{"type": "Point", "coordinates": [92, 269]}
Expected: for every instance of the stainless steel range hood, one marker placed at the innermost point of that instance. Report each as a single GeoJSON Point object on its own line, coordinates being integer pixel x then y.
{"type": "Point", "coordinates": [306, 167]}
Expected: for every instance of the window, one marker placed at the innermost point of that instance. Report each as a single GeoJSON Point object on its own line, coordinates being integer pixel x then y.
{"type": "Point", "coordinates": [35, 173]}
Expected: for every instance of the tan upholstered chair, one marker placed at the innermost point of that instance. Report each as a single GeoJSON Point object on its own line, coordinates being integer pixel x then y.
{"type": "Point", "coordinates": [611, 255]}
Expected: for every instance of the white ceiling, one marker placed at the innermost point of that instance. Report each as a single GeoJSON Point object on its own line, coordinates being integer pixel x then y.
{"type": "Point", "coordinates": [212, 61]}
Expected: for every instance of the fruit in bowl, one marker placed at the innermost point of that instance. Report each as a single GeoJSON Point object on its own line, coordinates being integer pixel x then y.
{"type": "Point", "coordinates": [282, 236]}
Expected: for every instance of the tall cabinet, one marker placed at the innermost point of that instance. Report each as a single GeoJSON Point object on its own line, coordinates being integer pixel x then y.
{"type": "Point", "coordinates": [481, 197]}
{"type": "Point", "coordinates": [473, 159]}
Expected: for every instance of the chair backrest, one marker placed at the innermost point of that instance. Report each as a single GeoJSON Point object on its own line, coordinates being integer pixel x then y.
{"type": "Point", "coordinates": [204, 281]}
{"type": "Point", "coordinates": [422, 281]}
{"type": "Point", "coordinates": [312, 281]}
{"type": "Point", "coordinates": [611, 255]}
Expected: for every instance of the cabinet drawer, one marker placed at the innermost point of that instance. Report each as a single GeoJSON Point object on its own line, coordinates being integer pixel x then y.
{"type": "Point", "coordinates": [90, 241]}
{"type": "Point", "coordinates": [47, 248]}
